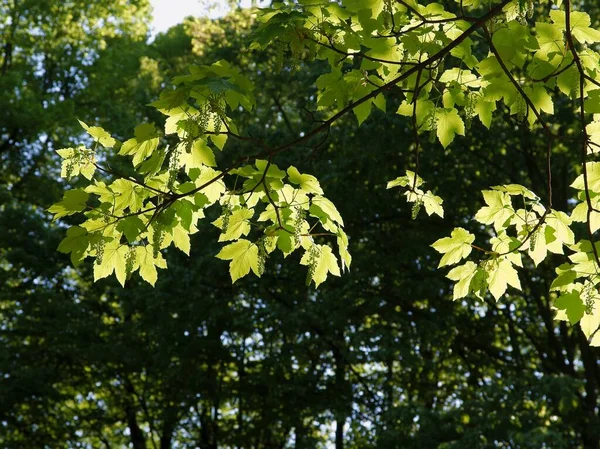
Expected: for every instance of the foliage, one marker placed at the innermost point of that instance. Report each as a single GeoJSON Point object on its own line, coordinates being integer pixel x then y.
{"type": "Point", "coordinates": [434, 59]}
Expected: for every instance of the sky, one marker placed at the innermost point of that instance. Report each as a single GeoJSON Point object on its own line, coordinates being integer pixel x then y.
{"type": "Point", "coordinates": [171, 12]}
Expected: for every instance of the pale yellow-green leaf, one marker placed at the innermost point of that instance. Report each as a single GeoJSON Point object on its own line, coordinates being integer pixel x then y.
{"type": "Point", "coordinates": [455, 247]}
{"type": "Point", "coordinates": [484, 109]}
{"type": "Point", "coordinates": [200, 155]}
{"type": "Point", "coordinates": [308, 183]}
{"type": "Point", "coordinates": [407, 180]}
{"type": "Point", "coordinates": [113, 260]}
{"type": "Point", "coordinates": [590, 322]}
{"type": "Point", "coordinates": [561, 223]}
{"type": "Point", "coordinates": [462, 274]}
{"type": "Point", "coordinates": [593, 178]}
{"type": "Point", "coordinates": [238, 225]}
{"type": "Point", "coordinates": [213, 188]}
{"type": "Point", "coordinates": [498, 210]}
{"type": "Point", "coordinates": [325, 263]}
{"type": "Point", "coordinates": [329, 208]}
{"type": "Point", "coordinates": [148, 264]}
{"type": "Point", "coordinates": [244, 257]}
{"type": "Point", "coordinates": [181, 239]}
{"type": "Point", "coordinates": [448, 124]}
{"type": "Point", "coordinates": [501, 274]}
{"type": "Point", "coordinates": [580, 213]}
{"type": "Point", "coordinates": [433, 204]}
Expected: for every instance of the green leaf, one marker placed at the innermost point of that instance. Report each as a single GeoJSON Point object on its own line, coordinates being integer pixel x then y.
{"type": "Point", "coordinates": [206, 177]}
{"type": "Point", "coordinates": [143, 144]}
{"type": "Point", "coordinates": [433, 204]}
{"type": "Point", "coordinates": [99, 135]}
{"type": "Point", "coordinates": [308, 183]}
{"type": "Point", "coordinates": [131, 227]}
{"type": "Point", "coordinates": [593, 178]}
{"type": "Point", "coordinates": [498, 210]}
{"type": "Point", "coordinates": [407, 180]}
{"type": "Point", "coordinates": [591, 321]}
{"type": "Point", "coordinates": [580, 26]}
{"type": "Point", "coordinates": [73, 201]}
{"type": "Point", "coordinates": [181, 239]}
{"type": "Point", "coordinates": [484, 109]}
{"type": "Point", "coordinates": [566, 276]}
{"type": "Point", "coordinates": [219, 140]}
{"type": "Point", "coordinates": [560, 222]}
{"type": "Point", "coordinates": [200, 155]}
{"type": "Point", "coordinates": [147, 263]}
{"type": "Point", "coordinates": [448, 124]}
{"type": "Point", "coordinates": [127, 195]}
{"type": "Point", "coordinates": [592, 102]}
{"type": "Point", "coordinates": [113, 260]}
{"type": "Point", "coordinates": [237, 225]}
{"type": "Point", "coordinates": [324, 263]}
{"type": "Point", "coordinates": [516, 189]}
{"type": "Point", "coordinates": [328, 208]}
{"type": "Point", "coordinates": [76, 242]}
{"type": "Point", "coordinates": [572, 304]}
{"type": "Point", "coordinates": [455, 247]}
{"type": "Point", "coordinates": [463, 274]}
{"type": "Point", "coordinates": [501, 274]}
{"type": "Point", "coordinates": [374, 6]}
{"type": "Point", "coordinates": [243, 255]}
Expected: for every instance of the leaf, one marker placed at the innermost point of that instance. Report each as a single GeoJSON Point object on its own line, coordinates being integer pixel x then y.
{"type": "Point", "coordinates": [308, 183]}
{"type": "Point", "coordinates": [219, 140]}
{"type": "Point", "coordinates": [572, 304]}
{"type": "Point", "coordinates": [113, 260]}
{"type": "Point", "coordinates": [127, 195]}
{"type": "Point", "coordinates": [566, 276]}
{"type": "Point", "coordinates": [99, 135]}
{"type": "Point", "coordinates": [131, 227]}
{"type": "Point", "coordinates": [76, 242]}
{"type": "Point", "coordinates": [200, 155]}
{"type": "Point", "coordinates": [516, 189]}
{"type": "Point", "coordinates": [580, 26]}
{"type": "Point", "coordinates": [148, 264]}
{"type": "Point", "coordinates": [374, 6]}
{"type": "Point", "coordinates": [448, 125]}
{"type": "Point", "coordinates": [498, 210]}
{"type": "Point", "coordinates": [592, 103]}
{"type": "Point", "coordinates": [143, 144]}
{"type": "Point", "coordinates": [501, 274]}
{"type": "Point", "coordinates": [590, 321]}
{"type": "Point", "coordinates": [325, 262]}
{"type": "Point", "coordinates": [593, 178]}
{"type": "Point", "coordinates": [238, 224]}
{"type": "Point", "coordinates": [560, 222]}
{"type": "Point", "coordinates": [463, 274]}
{"type": "Point", "coordinates": [345, 257]}
{"type": "Point", "coordinates": [243, 255]}
{"type": "Point", "coordinates": [181, 239]}
{"type": "Point", "coordinates": [328, 208]}
{"type": "Point", "coordinates": [433, 204]}
{"type": "Point", "coordinates": [210, 179]}
{"type": "Point", "coordinates": [407, 180]}
{"type": "Point", "coordinates": [455, 247]}
{"type": "Point", "coordinates": [73, 201]}
{"type": "Point", "coordinates": [484, 109]}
